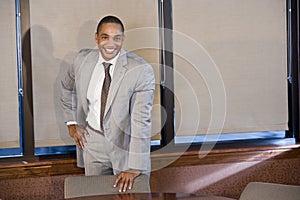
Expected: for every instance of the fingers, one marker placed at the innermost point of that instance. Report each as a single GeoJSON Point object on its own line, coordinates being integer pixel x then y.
{"type": "Point", "coordinates": [124, 184]}
{"type": "Point", "coordinates": [117, 180]}
{"type": "Point", "coordinates": [127, 184]}
{"type": "Point", "coordinates": [82, 130]}
{"type": "Point", "coordinates": [78, 134]}
{"type": "Point", "coordinates": [125, 180]}
{"type": "Point", "coordinates": [82, 141]}
{"type": "Point", "coordinates": [130, 184]}
{"type": "Point", "coordinates": [122, 187]}
{"type": "Point", "coordinates": [79, 140]}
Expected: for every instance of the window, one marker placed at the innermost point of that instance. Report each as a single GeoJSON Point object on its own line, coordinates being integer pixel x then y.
{"type": "Point", "coordinates": [239, 76]}
{"type": "Point", "coordinates": [9, 116]}
{"type": "Point", "coordinates": [230, 73]}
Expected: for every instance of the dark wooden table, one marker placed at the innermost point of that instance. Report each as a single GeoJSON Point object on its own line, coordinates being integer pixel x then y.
{"type": "Point", "coordinates": [151, 196]}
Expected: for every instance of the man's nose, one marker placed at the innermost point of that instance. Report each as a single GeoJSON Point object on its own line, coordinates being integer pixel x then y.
{"type": "Point", "coordinates": [111, 40]}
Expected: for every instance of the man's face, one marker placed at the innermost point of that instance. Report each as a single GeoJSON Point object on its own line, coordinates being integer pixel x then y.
{"type": "Point", "coordinates": [110, 39]}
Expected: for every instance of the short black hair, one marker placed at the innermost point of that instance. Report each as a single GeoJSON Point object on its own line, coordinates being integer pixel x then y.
{"type": "Point", "coordinates": [110, 19]}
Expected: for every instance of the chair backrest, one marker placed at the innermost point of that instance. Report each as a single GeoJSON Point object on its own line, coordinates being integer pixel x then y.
{"type": "Point", "coordinates": [79, 186]}
{"type": "Point", "coordinates": [270, 191]}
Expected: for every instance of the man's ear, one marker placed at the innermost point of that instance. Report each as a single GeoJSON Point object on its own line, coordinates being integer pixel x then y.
{"type": "Point", "coordinates": [96, 37]}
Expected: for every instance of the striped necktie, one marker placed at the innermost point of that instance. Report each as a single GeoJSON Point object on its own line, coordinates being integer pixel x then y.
{"type": "Point", "coordinates": [104, 92]}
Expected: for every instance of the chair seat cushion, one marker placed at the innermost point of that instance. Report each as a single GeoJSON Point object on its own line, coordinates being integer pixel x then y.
{"type": "Point", "coordinates": [78, 186]}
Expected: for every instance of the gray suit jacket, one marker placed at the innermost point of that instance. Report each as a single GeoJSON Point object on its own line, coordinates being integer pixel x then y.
{"type": "Point", "coordinates": [127, 118]}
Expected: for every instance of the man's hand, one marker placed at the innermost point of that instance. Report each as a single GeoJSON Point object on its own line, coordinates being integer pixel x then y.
{"type": "Point", "coordinates": [78, 134]}
{"type": "Point", "coordinates": [125, 179]}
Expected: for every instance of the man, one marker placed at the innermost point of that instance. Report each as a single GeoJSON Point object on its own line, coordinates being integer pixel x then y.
{"type": "Point", "coordinates": [107, 97]}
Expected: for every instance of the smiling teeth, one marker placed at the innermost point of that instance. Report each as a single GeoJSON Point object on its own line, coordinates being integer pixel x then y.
{"type": "Point", "coordinates": [110, 50]}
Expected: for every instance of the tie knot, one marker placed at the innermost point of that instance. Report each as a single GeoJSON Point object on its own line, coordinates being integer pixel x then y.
{"type": "Point", "coordinates": [106, 66]}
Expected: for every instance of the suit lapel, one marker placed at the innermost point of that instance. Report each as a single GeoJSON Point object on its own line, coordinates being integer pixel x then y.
{"type": "Point", "coordinates": [119, 72]}
{"type": "Point", "coordinates": [87, 69]}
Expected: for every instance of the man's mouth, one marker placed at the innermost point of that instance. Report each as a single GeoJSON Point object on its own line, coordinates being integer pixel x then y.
{"type": "Point", "coordinates": [109, 50]}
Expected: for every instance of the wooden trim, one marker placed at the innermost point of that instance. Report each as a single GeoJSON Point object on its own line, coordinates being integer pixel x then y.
{"type": "Point", "coordinates": [218, 156]}
{"type": "Point", "coordinates": [39, 169]}
{"type": "Point", "coordinates": [68, 166]}
{"type": "Point", "coordinates": [234, 157]}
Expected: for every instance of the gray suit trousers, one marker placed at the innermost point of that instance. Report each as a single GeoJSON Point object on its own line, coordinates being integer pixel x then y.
{"type": "Point", "coordinates": [95, 155]}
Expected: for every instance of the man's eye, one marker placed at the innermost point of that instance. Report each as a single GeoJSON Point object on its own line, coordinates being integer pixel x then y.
{"type": "Point", "coordinates": [118, 38]}
{"type": "Point", "coordinates": [104, 37]}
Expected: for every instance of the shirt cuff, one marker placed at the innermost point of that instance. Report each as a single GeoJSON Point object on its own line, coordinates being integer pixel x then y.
{"type": "Point", "coordinates": [71, 123]}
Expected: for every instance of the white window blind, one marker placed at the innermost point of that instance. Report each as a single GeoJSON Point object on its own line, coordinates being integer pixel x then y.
{"type": "Point", "coordinates": [230, 63]}
{"type": "Point", "coordinates": [9, 115]}
{"type": "Point", "coordinates": [59, 29]}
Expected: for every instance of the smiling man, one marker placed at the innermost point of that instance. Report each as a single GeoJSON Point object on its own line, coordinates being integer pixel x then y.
{"type": "Point", "coordinates": [107, 97]}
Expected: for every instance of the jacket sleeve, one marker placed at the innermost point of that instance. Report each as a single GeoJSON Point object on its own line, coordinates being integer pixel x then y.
{"type": "Point", "coordinates": [68, 94]}
{"type": "Point", "coordinates": [141, 106]}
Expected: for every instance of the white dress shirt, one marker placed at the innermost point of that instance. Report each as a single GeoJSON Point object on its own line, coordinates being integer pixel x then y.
{"type": "Point", "coordinates": [94, 91]}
